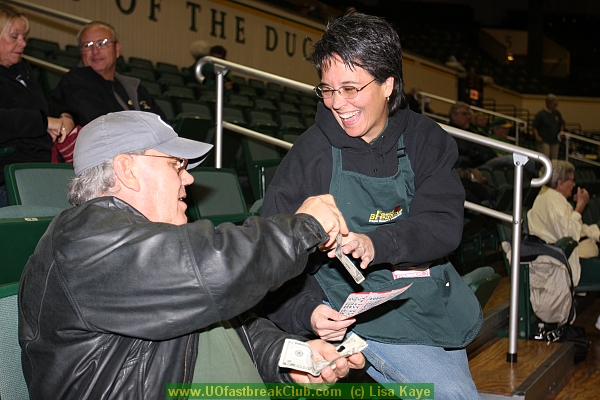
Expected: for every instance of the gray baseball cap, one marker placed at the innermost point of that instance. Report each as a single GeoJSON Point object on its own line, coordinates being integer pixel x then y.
{"type": "Point", "coordinates": [130, 131]}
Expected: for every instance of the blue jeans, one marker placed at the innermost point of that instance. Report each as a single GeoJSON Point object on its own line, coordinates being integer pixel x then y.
{"type": "Point", "coordinates": [448, 370]}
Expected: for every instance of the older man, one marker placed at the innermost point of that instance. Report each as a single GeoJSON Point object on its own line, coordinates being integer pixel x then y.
{"type": "Point", "coordinates": [460, 117]}
{"type": "Point", "coordinates": [96, 88]}
{"type": "Point", "coordinates": [112, 300]}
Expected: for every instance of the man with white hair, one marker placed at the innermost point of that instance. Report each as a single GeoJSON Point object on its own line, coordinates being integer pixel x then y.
{"type": "Point", "coordinates": [121, 290]}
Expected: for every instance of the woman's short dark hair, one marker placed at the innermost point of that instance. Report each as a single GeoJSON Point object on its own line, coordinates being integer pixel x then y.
{"type": "Point", "coordinates": [364, 41]}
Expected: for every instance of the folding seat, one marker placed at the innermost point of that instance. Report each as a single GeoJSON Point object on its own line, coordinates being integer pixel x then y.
{"type": "Point", "coordinates": [247, 91]}
{"type": "Point", "coordinates": [257, 84]}
{"type": "Point", "coordinates": [140, 63]}
{"type": "Point", "coordinates": [21, 227]}
{"type": "Point", "coordinates": [290, 124]}
{"type": "Point", "coordinates": [240, 80]}
{"type": "Point", "coordinates": [194, 121]}
{"type": "Point", "coordinates": [166, 107]}
{"type": "Point", "coordinates": [38, 184]}
{"type": "Point", "coordinates": [153, 88]}
{"type": "Point", "coordinates": [176, 94]}
{"type": "Point", "coordinates": [262, 160]}
{"type": "Point", "coordinates": [12, 381]}
{"type": "Point", "coordinates": [291, 98]}
{"type": "Point", "coordinates": [47, 46]}
{"type": "Point", "coordinates": [238, 100]}
{"type": "Point", "coordinates": [216, 195]}
{"type": "Point", "coordinates": [73, 50]}
{"type": "Point", "coordinates": [288, 108]}
{"type": "Point", "coordinates": [141, 73]}
{"type": "Point", "coordinates": [167, 80]}
{"type": "Point", "coordinates": [262, 104]}
{"type": "Point", "coordinates": [271, 95]}
{"type": "Point", "coordinates": [65, 59]}
{"type": "Point", "coordinates": [166, 67]}
{"type": "Point", "coordinates": [274, 87]}
{"type": "Point", "coordinates": [263, 122]}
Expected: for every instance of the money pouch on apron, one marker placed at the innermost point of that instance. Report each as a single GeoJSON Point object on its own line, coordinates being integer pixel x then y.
{"type": "Point", "coordinates": [437, 310]}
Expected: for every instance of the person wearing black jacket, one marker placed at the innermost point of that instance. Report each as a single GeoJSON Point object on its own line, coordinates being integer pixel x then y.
{"type": "Point", "coordinates": [26, 128]}
{"type": "Point", "coordinates": [95, 88]}
{"type": "Point", "coordinates": [121, 293]}
{"type": "Point", "coordinates": [391, 172]}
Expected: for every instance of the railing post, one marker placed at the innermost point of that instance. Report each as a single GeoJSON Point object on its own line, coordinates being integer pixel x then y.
{"type": "Point", "coordinates": [513, 316]}
{"type": "Point", "coordinates": [220, 72]}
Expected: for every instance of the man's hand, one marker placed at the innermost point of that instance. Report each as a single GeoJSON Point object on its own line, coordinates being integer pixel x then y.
{"type": "Point", "coordinates": [322, 350]}
{"type": "Point", "coordinates": [323, 208]}
{"type": "Point", "coordinates": [329, 324]}
{"type": "Point", "coordinates": [358, 246]}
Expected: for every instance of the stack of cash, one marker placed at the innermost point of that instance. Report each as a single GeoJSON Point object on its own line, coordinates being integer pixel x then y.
{"type": "Point", "coordinates": [298, 355]}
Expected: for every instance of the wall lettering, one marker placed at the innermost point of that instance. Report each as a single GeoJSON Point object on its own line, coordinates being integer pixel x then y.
{"type": "Point", "coordinates": [290, 52]}
{"type": "Point", "coordinates": [154, 5]}
{"type": "Point", "coordinates": [195, 8]}
{"type": "Point", "coordinates": [271, 38]}
{"type": "Point", "coordinates": [218, 23]}
{"type": "Point", "coordinates": [126, 11]}
{"type": "Point", "coordinates": [240, 33]}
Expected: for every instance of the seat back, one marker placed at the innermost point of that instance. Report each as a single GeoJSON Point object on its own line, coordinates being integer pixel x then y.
{"type": "Point", "coordinates": [21, 228]}
{"type": "Point", "coordinates": [216, 195]}
{"type": "Point", "coordinates": [12, 382]}
{"type": "Point", "coordinates": [39, 184]}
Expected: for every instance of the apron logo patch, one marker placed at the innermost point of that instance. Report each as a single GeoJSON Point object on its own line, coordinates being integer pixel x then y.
{"type": "Point", "coordinates": [381, 216]}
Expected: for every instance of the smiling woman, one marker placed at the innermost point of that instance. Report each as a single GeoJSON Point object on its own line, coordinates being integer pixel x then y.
{"type": "Point", "coordinates": [26, 125]}
{"type": "Point", "coordinates": [376, 157]}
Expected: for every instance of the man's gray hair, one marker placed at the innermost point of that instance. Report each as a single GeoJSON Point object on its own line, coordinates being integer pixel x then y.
{"type": "Point", "coordinates": [93, 24]}
{"type": "Point", "coordinates": [561, 170]}
{"type": "Point", "coordinates": [95, 182]}
{"type": "Point", "coordinates": [459, 105]}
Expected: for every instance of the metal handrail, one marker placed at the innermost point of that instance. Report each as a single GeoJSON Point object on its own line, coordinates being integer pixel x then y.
{"type": "Point", "coordinates": [45, 64]}
{"type": "Point", "coordinates": [568, 136]}
{"type": "Point", "coordinates": [51, 12]}
{"type": "Point", "coordinates": [518, 121]}
{"type": "Point", "coordinates": [520, 157]}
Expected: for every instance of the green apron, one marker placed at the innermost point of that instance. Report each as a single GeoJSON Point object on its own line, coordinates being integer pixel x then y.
{"type": "Point", "coordinates": [439, 310]}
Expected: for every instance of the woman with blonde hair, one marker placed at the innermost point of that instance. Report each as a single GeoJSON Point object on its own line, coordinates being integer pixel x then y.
{"type": "Point", "coordinates": [25, 125]}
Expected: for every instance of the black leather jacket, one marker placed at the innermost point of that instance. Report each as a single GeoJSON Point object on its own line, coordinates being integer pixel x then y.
{"type": "Point", "coordinates": [109, 301]}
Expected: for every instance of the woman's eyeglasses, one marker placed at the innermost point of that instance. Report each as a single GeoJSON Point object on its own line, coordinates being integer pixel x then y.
{"type": "Point", "coordinates": [347, 92]}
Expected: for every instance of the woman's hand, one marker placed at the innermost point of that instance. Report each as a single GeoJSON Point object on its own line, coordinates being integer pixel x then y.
{"type": "Point", "coordinates": [60, 128]}
{"type": "Point", "coordinates": [358, 246]}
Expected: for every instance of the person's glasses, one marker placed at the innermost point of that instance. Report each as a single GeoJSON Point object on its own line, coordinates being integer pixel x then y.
{"type": "Point", "coordinates": [181, 162]}
{"type": "Point", "coordinates": [347, 92]}
{"type": "Point", "coordinates": [100, 44]}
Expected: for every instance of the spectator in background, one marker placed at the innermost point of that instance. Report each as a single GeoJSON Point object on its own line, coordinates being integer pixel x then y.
{"type": "Point", "coordinates": [95, 88]}
{"type": "Point", "coordinates": [552, 217]}
{"type": "Point", "coordinates": [547, 124]}
{"type": "Point", "coordinates": [479, 123]}
{"type": "Point", "coordinates": [198, 49]}
{"type": "Point", "coordinates": [208, 70]}
{"type": "Point", "coordinates": [460, 117]}
{"type": "Point", "coordinates": [499, 130]}
{"type": "Point", "coordinates": [26, 127]}
{"type": "Point", "coordinates": [416, 102]}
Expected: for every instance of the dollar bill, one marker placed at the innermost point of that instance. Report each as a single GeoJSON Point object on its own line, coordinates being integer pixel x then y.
{"type": "Point", "coordinates": [346, 262]}
{"type": "Point", "coordinates": [298, 355]}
